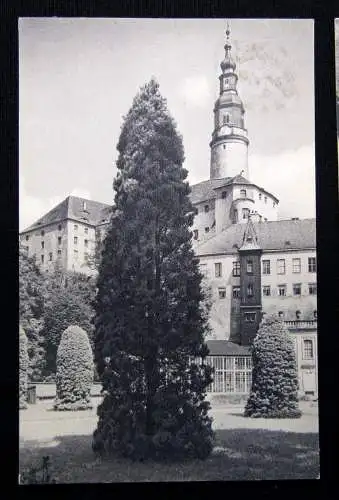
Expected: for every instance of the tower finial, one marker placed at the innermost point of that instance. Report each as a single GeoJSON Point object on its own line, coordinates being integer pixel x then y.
{"type": "Point", "coordinates": [228, 31]}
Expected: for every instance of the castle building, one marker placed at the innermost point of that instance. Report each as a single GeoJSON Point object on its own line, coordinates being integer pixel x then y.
{"type": "Point", "coordinates": [252, 262]}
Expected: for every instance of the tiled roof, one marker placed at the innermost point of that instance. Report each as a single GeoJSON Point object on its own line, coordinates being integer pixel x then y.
{"type": "Point", "coordinates": [205, 190]}
{"type": "Point", "coordinates": [73, 208]}
{"type": "Point", "coordinates": [272, 235]}
{"type": "Point", "coordinates": [226, 348]}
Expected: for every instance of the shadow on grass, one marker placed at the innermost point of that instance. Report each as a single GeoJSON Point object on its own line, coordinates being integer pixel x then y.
{"type": "Point", "coordinates": [239, 454]}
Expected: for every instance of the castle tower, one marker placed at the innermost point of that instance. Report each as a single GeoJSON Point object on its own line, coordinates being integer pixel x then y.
{"type": "Point", "coordinates": [229, 145]}
{"type": "Point", "coordinates": [250, 284]}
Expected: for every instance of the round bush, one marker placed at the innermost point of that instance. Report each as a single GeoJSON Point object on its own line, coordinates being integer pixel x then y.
{"type": "Point", "coordinates": [274, 391]}
{"type": "Point", "coordinates": [75, 369]}
{"type": "Point", "coordinates": [23, 368]}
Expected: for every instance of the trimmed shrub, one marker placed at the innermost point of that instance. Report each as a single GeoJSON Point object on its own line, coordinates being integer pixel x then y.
{"type": "Point", "coordinates": [75, 369]}
{"type": "Point", "coordinates": [23, 368]}
{"type": "Point", "coordinates": [274, 391]}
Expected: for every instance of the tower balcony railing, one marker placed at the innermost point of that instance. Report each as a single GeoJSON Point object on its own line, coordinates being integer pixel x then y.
{"type": "Point", "coordinates": [301, 324]}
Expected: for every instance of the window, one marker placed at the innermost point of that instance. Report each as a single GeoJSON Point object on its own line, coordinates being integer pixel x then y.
{"type": "Point", "coordinates": [274, 204]}
{"type": "Point", "coordinates": [59, 240]}
{"type": "Point", "coordinates": [250, 290]}
{"type": "Point", "coordinates": [222, 293]}
{"type": "Point", "coordinates": [42, 245]}
{"type": "Point", "coordinates": [76, 254]}
{"type": "Point", "coordinates": [281, 314]}
{"type": "Point", "coordinates": [224, 146]}
{"type": "Point", "coordinates": [266, 267]}
{"type": "Point", "coordinates": [312, 265]}
{"type": "Point", "coordinates": [260, 196]}
{"type": "Point", "coordinates": [86, 230]}
{"type": "Point", "coordinates": [243, 193]}
{"type": "Point", "coordinates": [75, 227]}
{"type": "Point", "coordinates": [203, 269]}
{"type": "Point", "coordinates": [207, 229]}
{"type": "Point", "coordinates": [297, 289]}
{"type": "Point", "coordinates": [218, 269]}
{"type": "Point", "coordinates": [236, 292]}
{"type": "Point", "coordinates": [249, 267]}
{"type": "Point", "coordinates": [296, 265]}
{"type": "Point", "coordinates": [59, 252]}
{"type": "Point", "coordinates": [245, 213]}
{"type": "Point", "coordinates": [265, 199]}
{"type": "Point", "coordinates": [226, 119]}
{"type": "Point", "coordinates": [27, 237]}
{"type": "Point", "coordinates": [42, 259]}
{"type": "Point", "coordinates": [236, 268]}
{"type": "Point", "coordinates": [42, 233]}
{"type": "Point", "coordinates": [282, 290]}
{"type": "Point", "coordinates": [59, 227]}
{"type": "Point", "coordinates": [235, 216]}
{"type": "Point", "coordinates": [196, 210]}
{"type": "Point", "coordinates": [307, 349]}
{"type": "Point", "coordinates": [86, 243]}
{"type": "Point", "coordinates": [223, 194]}
{"type": "Point", "coordinates": [207, 208]}
{"type": "Point", "coordinates": [315, 314]}
{"type": "Point", "coordinates": [75, 240]}
{"type": "Point", "coordinates": [195, 234]}
{"type": "Point", "coordinates": [297, 314]}
{"type": "Point", "coordinates": [50, 256]}
{"type": "Point", "coordinates": [266, 290]}
{"type": "Point", "coordinates": [312, 288]}
{"type": "Point", "coordinates": [231, 374]}
{"type": "Point", "coordinates": [281, 267]}
{"type": "Point", "coordinates": [250, 317]}
{"type": "Point", "coordinates": [86, 257]}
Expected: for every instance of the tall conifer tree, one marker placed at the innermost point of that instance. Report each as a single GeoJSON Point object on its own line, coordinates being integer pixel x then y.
{"type": "Point", "coordinates": [150, 320]}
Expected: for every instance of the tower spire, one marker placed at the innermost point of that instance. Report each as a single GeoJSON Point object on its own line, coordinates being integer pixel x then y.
{"type": "Point", "coordinates": [228, 63]}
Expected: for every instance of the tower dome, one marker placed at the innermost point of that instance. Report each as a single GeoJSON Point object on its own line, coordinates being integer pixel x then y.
{"type": "Point", "coordinates": [227, 64]}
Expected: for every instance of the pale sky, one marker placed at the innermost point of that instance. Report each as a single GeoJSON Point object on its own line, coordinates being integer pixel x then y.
{"type": "Point", "coordinates": [78, 77]}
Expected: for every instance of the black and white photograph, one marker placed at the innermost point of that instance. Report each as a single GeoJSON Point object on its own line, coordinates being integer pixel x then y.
{"type": "Point", "coordinates": [167, 250]}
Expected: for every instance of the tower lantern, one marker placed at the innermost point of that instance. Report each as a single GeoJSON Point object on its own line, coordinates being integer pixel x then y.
{"type": "Point", "coordinates": [229, 145]}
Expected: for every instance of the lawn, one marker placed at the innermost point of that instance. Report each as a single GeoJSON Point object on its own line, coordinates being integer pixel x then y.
{"type": "Point", "coordinates": [245, 449]}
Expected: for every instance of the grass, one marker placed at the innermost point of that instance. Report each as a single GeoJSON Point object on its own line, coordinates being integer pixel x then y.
{"type": "Point", "coordinates": [245, 449]}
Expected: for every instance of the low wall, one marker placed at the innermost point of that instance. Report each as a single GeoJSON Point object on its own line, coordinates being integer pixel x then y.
{"type": "Point", "coordinates": [48, 390]}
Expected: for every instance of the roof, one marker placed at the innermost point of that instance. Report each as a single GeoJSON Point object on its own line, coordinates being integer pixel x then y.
{"type": "Point", "coordinates": [226, 348]}
{"type": "Point", "coordinates": [205, 190]}
{"type": "Point", "coordinates": [272, 235]}
{"type": "Point", "coordinates": [73, 208]}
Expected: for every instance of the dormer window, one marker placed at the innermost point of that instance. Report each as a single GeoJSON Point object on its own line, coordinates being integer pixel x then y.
{"type": "Point", "coordinates": [207, 208]}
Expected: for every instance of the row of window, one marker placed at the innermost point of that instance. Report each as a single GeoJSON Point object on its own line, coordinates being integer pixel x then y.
{"type": "Point", "coordinates": [266, 290]}
{"type": "Point", "coordinates": [59, 242]}
{"type": "Point", "coordinates": [59, 229]}
{"type": "Point", "coordinates": [266, 267]}
{"type": "Point", "coordinates": [296, 265]}
{"type": "Point", "coordinates": [50, 256]}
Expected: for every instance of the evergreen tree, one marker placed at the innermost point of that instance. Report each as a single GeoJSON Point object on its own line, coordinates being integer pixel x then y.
{"type": "Point", "coordinates": [31, 310]}
{"type": "Point", "coordinates": [74, 376]}
{"type": "Point", "coordinates": [69, 300]}
{"type": "Point", "coordinates": [23, 368]}
{"type": "Point", "coordinates": [274, 391]}
{"type": "Point", "coordinates": [149, 315]}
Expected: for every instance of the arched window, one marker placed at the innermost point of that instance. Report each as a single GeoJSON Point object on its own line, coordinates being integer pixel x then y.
{"type": "Point", "coordinates": [226, 118]}
{"type": "Point", "coordinates": [243, 193]}
{"type": "Point", "coordinates": [297, 314]}
{"type": "Point", "coordinates": [281, 314]}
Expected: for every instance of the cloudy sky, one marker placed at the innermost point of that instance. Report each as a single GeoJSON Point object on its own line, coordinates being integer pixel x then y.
{"type": "Point", "coordinates": [78, 77]}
